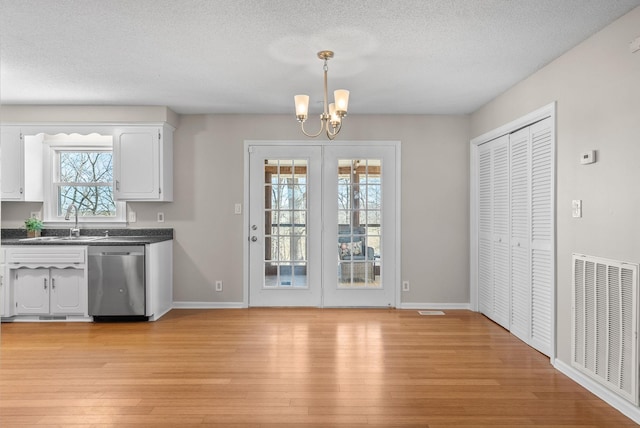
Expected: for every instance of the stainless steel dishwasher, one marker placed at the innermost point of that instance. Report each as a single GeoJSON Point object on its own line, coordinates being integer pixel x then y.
{"type": "Point", "coordinates": [117, 282]}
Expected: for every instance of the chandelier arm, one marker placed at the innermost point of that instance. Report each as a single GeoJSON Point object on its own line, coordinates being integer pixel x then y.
{"type": "Point", "coordinates": [322, 126]}
{"type": "Point", "coordinates": [332, 135]}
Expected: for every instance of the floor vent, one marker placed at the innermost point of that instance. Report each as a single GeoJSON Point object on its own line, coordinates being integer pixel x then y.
{"type": "Point", "coordinates": [52, 318]}
{"type": "Point", "coordinates": [605, 323]}
{"type": "Point", "coordinates": [431, 312]}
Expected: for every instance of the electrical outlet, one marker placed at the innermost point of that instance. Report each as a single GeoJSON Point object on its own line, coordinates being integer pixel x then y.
{"type": "Point", "coordinates": [237, 209]}
{"type": "Point", "coordinates": [218, 285]}
{"type": "Point", "coordinates": [35, 214]}
{"type": "Point", "coordinates": [405, 285]}
{"type": "Point", "coordinates": [160, 217]}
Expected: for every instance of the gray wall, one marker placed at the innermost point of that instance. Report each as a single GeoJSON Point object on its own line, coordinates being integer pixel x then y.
{"type": "Point", "coordinates": [208, 181]}
{"type": "Point", "coordinates": [597, 89]}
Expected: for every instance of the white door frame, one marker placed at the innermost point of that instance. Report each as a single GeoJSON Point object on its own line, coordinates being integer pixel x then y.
{"type": "Point", "coordinates": [246, 203]}
{"type": "Point", "coordinates": [546, 111]}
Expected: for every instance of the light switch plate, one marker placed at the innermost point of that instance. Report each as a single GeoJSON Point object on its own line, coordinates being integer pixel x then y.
{"type": "Point", "coordinates": [635, 45]}
{"type": "Point", "coordinates": [576, 208]}
{"type": "Point", "coordinates": [237, 209]}
{"type": "Point", "coordinates": [160, 217]}
{"type": "Point", "coordinates": [131, 217]}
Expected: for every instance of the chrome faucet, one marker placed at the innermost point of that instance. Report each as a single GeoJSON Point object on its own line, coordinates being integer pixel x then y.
{"type": "Point", "coordinates": [74, 232]}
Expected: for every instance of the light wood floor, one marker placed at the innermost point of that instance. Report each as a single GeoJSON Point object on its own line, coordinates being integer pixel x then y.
{"type": "Point", "coordinates": [286, 367]}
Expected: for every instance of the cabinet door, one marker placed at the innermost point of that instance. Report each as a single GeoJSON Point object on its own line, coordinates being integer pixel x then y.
{"type": "Point", "coordinates": [137, 164]}
{"type": "Point", "coordinates": [31, 290]}
{"type": "Point", "coordinates": [11, 164]}
{"type": "Point", "coordinates": [68, 292]}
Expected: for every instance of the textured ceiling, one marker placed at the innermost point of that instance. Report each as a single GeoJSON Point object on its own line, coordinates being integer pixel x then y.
{"type": "Point", "coordinates": [252, 56]}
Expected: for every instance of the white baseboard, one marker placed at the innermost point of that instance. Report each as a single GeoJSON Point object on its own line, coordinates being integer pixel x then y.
{"type": "Point", "coordinates": [620, 404]}
{"type": "Point", "coordinates": [208, 305]}
{"type": "Point", "coordinates": [240, 305]}
{"type": "Point", "coordinates": [439, 306]}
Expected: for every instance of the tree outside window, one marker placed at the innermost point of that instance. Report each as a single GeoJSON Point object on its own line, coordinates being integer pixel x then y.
{"type": "Point", "coordinates": [85, 179]}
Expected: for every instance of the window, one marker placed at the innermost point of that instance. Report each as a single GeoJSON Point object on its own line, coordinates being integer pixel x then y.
{"type": "Point", "coordinates": [84, 179]}
{"type": "Point", "coordinates": [80, 173]}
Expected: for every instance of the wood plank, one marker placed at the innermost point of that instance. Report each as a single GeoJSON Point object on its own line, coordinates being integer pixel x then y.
{"type": "Point", "coordinates": [257, 368]}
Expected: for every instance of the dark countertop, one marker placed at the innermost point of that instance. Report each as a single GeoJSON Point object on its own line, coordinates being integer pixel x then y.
{"type": "Point", "coordinates": [90, 237]}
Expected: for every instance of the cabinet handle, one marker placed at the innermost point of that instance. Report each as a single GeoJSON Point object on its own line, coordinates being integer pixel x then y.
{"type": "Point", "coordinates": [53, 283]}
{"type": "Point", "coordinates": [118, 185]}
{"type": "Point", "coordinates": [45, 283]}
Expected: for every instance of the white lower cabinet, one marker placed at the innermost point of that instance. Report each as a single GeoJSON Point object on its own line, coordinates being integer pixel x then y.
{"type": "Point", "coordinates": [51, 282]}
{"type": "Point", "coordinates": [46, 281]}
{"type": "Point", "coordinates": [159, 274]}
{"type": "Point", "coordinates": [52, 291]}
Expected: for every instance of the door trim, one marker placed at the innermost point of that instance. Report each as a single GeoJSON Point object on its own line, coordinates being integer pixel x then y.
{"type": "Point", "coordinates": [246, 204]}
{"type": "Point", "coordinates": [544, 112]}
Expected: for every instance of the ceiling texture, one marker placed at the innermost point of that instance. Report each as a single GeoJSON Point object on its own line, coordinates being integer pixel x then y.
{"type": "Point", "coordinates": [252, 56]}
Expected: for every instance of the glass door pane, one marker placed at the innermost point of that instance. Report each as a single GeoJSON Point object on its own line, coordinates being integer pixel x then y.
{"type": "Point", "coordinates": [359, 223]}
{"type": "Point", "coordinates": [285, 226]}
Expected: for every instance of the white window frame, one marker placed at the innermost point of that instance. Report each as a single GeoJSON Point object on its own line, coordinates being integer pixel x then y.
{"type": "Point", "coordinates": [51, 148]}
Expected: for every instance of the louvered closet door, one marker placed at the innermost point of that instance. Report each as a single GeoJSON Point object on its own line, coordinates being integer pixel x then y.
{"type": "Point", "coordinates": [516, 234]}
{"type": "Point", "coordinates": [485, 231]}
{"type": "Point", "coordinates": [542, 234]}
{"type": "Point", "coordinates": [493, 169]}
{"type": "Point", "coordinates": [531, 216]}
{"type": "Point", "coordinates": [520, 214]}
{"type": "Point", "coordinates": [501, 291]}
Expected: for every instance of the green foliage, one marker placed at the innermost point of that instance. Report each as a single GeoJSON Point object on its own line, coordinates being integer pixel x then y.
{"type": "Point", "coordinates": [32, 224]}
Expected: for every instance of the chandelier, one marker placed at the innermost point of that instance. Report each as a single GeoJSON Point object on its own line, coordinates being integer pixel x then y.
{"type": "Point", "coordinates": [332, 115]}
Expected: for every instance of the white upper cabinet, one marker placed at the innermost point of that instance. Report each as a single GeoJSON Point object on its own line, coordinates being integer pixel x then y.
{"type": "Point", "coordinates": [143, 163]}
{"type": "Point", "coordinates": [142, 159]}
{"type": "Point", "coordinates": [20, 165]}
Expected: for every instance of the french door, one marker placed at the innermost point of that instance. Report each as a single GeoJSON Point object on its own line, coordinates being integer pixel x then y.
{"type": "Point", "coordinates": [359, 228]}
{"type": "Point", "coordinates": [322, 225]}
{"type": "Point", "coordinates": [285, 225]}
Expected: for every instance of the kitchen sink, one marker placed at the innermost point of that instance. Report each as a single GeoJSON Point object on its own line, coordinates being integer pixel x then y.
{"type": "Point", "coordinates": [41, 238]}
{"type": "Point", "coordinates": [63, 238]}
{"type": "Point", "coordinates": [81, 238]}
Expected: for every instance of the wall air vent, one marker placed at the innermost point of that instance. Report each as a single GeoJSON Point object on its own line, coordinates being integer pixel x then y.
{"type": "Point", "coordinates": [605, 323]}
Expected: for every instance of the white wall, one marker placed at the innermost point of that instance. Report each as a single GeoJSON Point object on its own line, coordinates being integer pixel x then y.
{"type": "Point", "coordinates": [208, 181]}
{"type": "Point", "coordinates": [597, 89]}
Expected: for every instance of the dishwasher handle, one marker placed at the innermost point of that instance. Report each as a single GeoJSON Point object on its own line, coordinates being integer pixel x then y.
{"type": "Point", "coordinates": [116, 253]}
